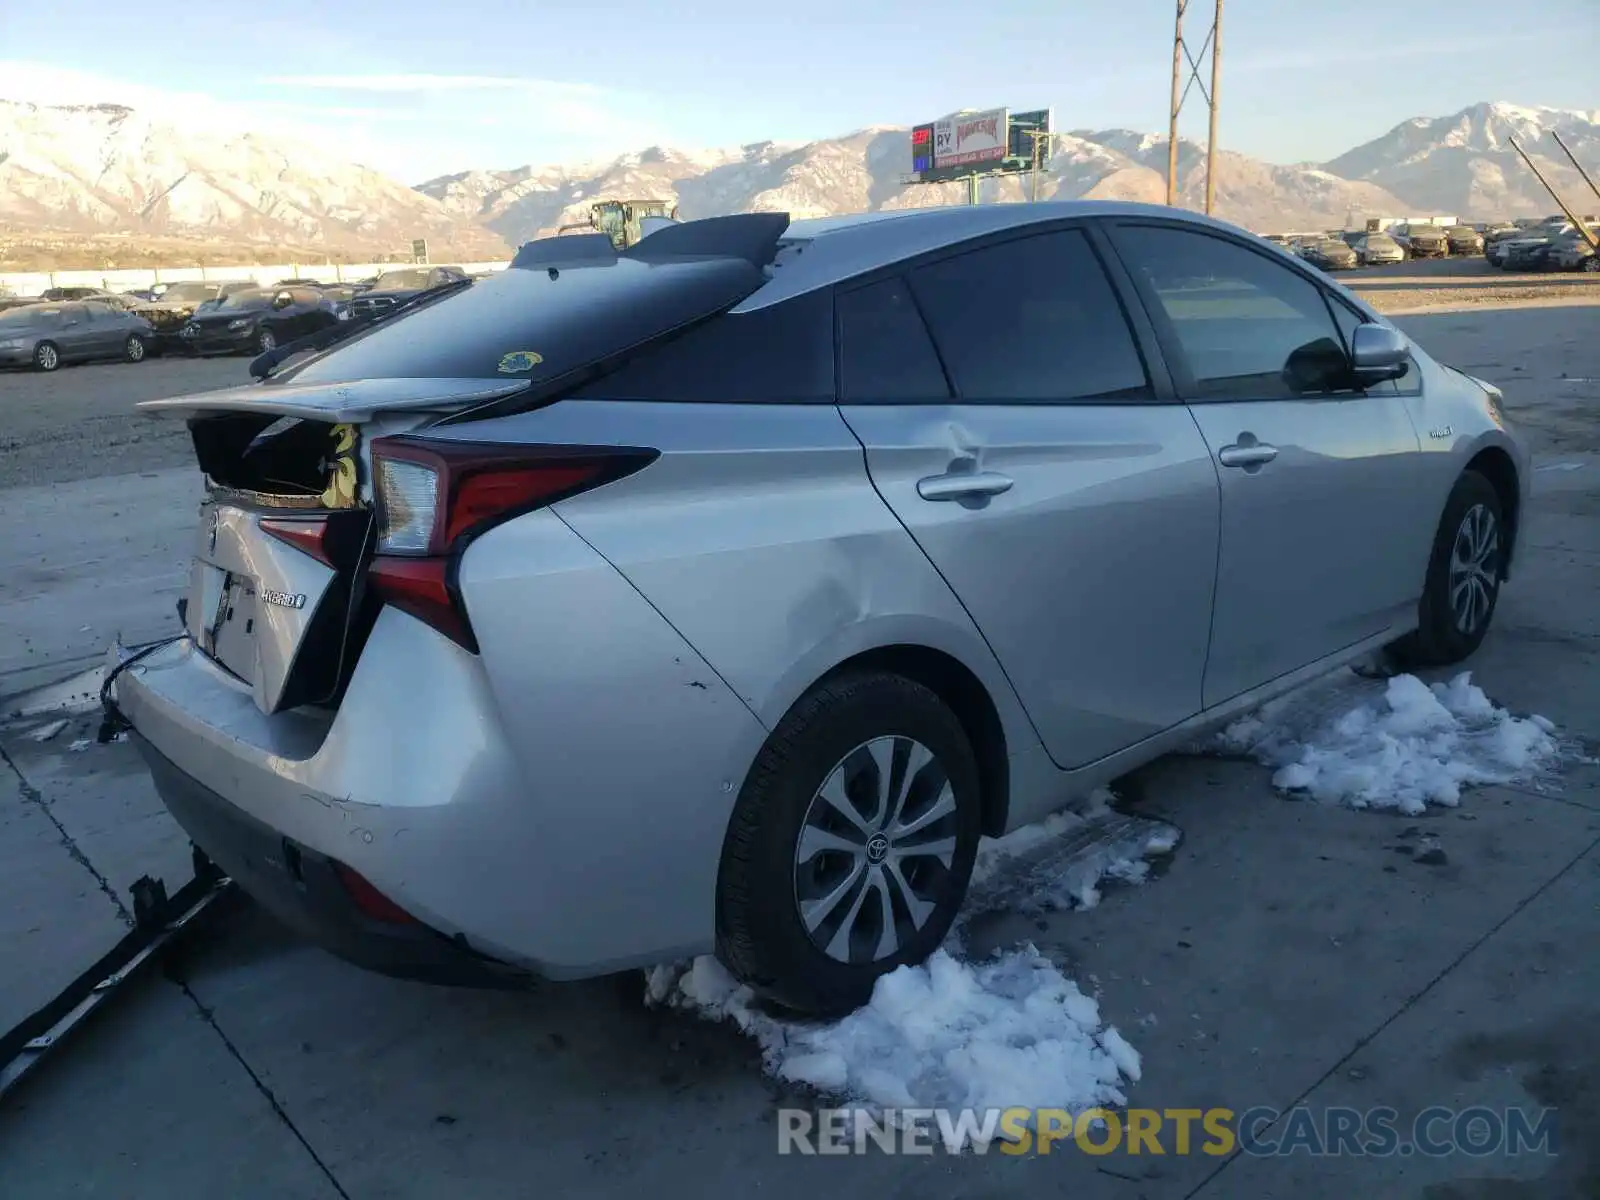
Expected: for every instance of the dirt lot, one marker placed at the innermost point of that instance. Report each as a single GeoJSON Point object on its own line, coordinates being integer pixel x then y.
{"type": "Point", "coordinates": [1461, 281]}
{"type": "Point", "coordinates": [1292, 953]}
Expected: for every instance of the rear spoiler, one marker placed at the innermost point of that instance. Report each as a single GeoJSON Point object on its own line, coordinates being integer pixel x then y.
{"type": "Point", "coordinates": [338, 403]}
{"type": "Point", "coordinates": [752, 237]}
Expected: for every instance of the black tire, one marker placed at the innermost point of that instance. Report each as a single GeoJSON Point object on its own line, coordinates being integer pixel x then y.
{"type": "Point", "coordinates": [1591, 264]}
{"type": "Point", "coordinates": [1443, 635]}
{"type": "Point", "coordinates": [266, 341]}
{"type": "Point", "coordinates": [47, 356]}
{"type": "Point", "coordinates": [135, 350]}
{"type": "Point", "coordinates": [761, 936]}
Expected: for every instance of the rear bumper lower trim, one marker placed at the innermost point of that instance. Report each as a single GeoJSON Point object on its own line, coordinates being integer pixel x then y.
{"type": "Point", "coordinates": [300, 887]}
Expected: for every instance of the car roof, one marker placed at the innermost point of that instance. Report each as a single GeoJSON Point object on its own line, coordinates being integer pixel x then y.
{"type": "Point", "coordinates": [823, 251]}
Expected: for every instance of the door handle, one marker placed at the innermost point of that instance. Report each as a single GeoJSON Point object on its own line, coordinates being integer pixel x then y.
{"type": "Point", "coordinates": [1246, 453]}
{"type": "Point", "coordinates": [960, 484]}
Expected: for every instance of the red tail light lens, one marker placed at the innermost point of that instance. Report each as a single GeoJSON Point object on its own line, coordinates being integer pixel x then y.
{"type": "Point", "coordinates": [435, 496]}
{"type": "Point", "coordinates": [369, 899]}
{"type": "Point", "coordinates": [309, 534]}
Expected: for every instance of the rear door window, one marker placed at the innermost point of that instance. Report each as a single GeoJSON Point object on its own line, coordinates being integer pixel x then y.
{"type": "Point", "coordinates": [1030, 320]}
{"type": "Point", "coordinates": [885, 353]}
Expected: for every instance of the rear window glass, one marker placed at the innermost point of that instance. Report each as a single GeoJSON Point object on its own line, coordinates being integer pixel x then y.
{"type": "Point", "coordinates": [525, 324]}
{"type": "Point", "coordinates": [189, 292]}
{"type": "Point", "coordinates": [781, 354]}
{"type": "Point", "coordinates": [419, 278]}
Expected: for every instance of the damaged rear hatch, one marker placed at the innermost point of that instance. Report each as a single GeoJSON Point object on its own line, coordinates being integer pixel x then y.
{"type": "Point", "coordinates": [287, 528]}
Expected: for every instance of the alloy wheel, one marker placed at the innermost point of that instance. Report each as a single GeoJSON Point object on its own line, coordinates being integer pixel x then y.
{"type": "Point", "coordinates": [1474, 568]}
{"type": "Point", "coordinates": [877, 840]}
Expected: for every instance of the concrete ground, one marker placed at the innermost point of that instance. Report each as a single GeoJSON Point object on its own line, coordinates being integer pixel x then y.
{"type": "Point", "coordinates": [1291, 954]}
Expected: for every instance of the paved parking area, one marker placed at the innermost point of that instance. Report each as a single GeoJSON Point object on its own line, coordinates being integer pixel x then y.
{"type": "Point", "coordinates": [1292, 953]}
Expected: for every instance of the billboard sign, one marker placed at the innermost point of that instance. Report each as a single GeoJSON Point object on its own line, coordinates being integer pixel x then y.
{"type": "Point", "coordinates": [1021, 145]}
{"type": "Point", "coordinates": [968, 138]}
{"type": "Point", "coordinates": [922, 149]}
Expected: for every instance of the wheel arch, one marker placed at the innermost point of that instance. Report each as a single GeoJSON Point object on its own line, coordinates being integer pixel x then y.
{"type": "Point", "coordinates": [1496, 465]}
{"type": "Point", "coordinates": [960, 689]}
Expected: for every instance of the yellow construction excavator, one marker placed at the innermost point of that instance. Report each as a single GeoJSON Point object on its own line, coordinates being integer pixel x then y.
{"type": "Point", "coordinates": [623, 221]}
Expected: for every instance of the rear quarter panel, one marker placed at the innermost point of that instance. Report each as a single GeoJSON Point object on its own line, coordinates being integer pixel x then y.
{"type": "Point", "coordinates": [758, 535]}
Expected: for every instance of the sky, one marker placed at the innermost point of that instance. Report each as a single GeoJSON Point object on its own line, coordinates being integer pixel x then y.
{"type": "Point", "coordinates": [419, 88]}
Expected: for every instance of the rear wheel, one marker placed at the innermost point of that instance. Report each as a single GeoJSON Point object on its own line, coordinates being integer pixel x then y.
{"type": "Point", "coordinates": [1592, 263]}
{"type": "Point", "coordinates": [1463, 581]}
{"type": "Point", "coordinates": [46, 357]}
{"type": "Point", "coordinates": [134, 348]}
{"type": "Point", "coordinates": [851, 844]}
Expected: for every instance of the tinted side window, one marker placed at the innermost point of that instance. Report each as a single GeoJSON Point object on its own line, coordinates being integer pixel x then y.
{"type": "Point", "coordinates": [780, 354]}
{"type": "Point", "coordinates": [1033, 319]}
{"type": "Point", "coordinates": [1249, 328]}
{"type": "Point", "coordinates": [885, 353]}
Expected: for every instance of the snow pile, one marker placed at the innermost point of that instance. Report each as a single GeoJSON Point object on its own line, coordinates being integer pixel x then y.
{"type": "Point", "coordinates": [1399, 744]}
{"type": "Point", "coordinates": [947, 1034]}
{"type": "Point", "coordinates": [1008, 1030]}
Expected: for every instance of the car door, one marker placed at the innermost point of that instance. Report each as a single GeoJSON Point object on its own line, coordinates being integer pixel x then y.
{"type": "Point", "coordinates": [1011, 422]}
{"type": "Point", "coordinates": [1318, 547]}
{"type": "Point", "coordinates": [75, 336]}
{"type": "Point", "coordinates": [105, 331]}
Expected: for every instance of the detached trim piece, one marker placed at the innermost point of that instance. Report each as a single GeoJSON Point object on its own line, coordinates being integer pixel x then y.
{"type": "Point", "coordinates": [160, 921]}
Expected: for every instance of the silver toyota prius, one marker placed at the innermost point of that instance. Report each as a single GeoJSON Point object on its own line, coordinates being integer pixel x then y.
{"type": "Point", "coordinates": [719, 594]}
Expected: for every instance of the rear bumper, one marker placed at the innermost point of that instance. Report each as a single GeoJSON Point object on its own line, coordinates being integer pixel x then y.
{"type": "Point", "coordinates": [227, 342]}
{"type": "Point", "coordinates": [558, 802]}
{"type": "Point", "coordinates": [301, 887]}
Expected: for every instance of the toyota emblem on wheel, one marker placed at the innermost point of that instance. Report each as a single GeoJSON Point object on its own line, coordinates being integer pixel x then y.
{"type": "Point", "coordinates": [877, 848]}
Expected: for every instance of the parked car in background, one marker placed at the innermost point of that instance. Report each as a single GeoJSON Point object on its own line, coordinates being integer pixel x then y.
{"type": "Point", "coordinates": [1527, 251]}
{"type": "Point", "coordinates": [1499, 229]}
{"type": "Point", "coordinates": [398, 286]}
{"type": "Point", "coordinates": [1424, 241]}
{"type": "Point", "coordinates": [1463, 239]}
{"type": "Point", "coordinates": [257, 320]}
{"type": "Point", "coordinates": [694, 630]}
{"type": "Point", "coordinates": [1571, 251]}
{"type": "Point", "coordinates": [1330, 254]}
{"type": "Point", "coordinates": [1378, 249]}
{"type": "Point", "coordinates": [177, 302]}
{"type": "Point", "coordinates": [47, 335]}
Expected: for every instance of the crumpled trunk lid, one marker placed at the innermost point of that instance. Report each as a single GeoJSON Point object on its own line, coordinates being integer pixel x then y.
{"type": "Point", "coordinates": [276, 586]}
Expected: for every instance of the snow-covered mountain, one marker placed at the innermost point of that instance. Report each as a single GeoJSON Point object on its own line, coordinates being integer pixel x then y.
{"type": "Point", "coordinates": [862, 170]}
{"type": "Point", "coordinates": [1465, 164]}
{"type": "Point", "coordinates": [105, 168]}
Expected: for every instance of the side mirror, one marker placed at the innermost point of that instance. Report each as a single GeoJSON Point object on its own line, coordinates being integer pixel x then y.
{"type": "Point", "coordinates": [1378, 353]}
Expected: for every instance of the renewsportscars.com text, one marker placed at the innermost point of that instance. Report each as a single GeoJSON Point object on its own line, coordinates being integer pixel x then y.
{"type": "Point", "coordinates": [1215, 1132]}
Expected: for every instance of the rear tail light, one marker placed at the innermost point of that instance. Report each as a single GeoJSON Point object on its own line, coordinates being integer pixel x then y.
{"type": "Point", "coordinates": [369, 900]}
{"type": "Point", "coordinates": [308, 534]}
{"type": "Point", "coordinates": [433, 497]}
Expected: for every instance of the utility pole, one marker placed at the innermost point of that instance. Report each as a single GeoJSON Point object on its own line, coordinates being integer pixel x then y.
{"type": "Point", "coordinates": [1180, 93]}
{"type": "Point", "coordinates": [1591, 239]}
{"type": "Point", "coordinates": [1577, 166]}
{"type": "Point", "coordinates": [1041, 142]}
{"type": "Point", "coordinates": [974, 188]}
